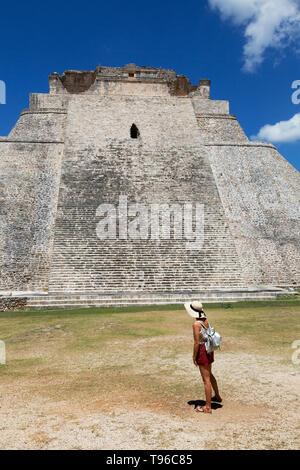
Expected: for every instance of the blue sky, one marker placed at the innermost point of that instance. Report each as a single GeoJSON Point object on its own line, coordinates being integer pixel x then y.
{"type": "Point", "coordinates": [249, 49]}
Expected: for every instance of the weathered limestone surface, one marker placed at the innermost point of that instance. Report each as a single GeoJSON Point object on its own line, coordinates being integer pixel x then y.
{"type": "Point", "coordinates": [220, 128]}
{"type": "Point", "coordinates": [29, 175]}
{"type": "Point", "coordinates": [260, 192]}
{"type": "Point", "coordinates": [72, 151]}
{"type": "Point", "coordinates": [40, 126]}
{"type": "Point", "coordinates": [165, 165]}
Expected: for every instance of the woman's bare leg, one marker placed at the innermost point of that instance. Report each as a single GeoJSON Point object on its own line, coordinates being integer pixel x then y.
{"type": "Point", "coordinates": [205, 374]}
{"type": "Point", "coordinates": [214, 385]}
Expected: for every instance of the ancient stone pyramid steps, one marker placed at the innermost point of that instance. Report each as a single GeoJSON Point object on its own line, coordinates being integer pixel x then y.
{"type": "Point", "coordinates": [97, 299]}
{"type": "Point", "coordinates": [81, 261]}
{"type": "Point", "coordinates": [89, 263]}
{"type": "Point", "coordinates": [77, 146]}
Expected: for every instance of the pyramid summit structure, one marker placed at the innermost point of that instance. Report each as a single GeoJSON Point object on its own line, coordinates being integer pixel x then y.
{"type": "Point", "coordinates": [102, 179]}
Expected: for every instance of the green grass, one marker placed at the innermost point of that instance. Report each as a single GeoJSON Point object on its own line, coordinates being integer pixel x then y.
{"type": "Point", "coordinates": [137, 321]}
{"type": "Point", "coordinates": [84, 330]}
{"type": "Point", "coordinates": [282, 301]}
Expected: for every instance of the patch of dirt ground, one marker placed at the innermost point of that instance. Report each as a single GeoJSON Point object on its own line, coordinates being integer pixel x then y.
{"type": "Point", "coordinates": [260, 408]}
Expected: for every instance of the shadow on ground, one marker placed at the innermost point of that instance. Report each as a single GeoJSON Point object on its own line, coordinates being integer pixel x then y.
{"type": "Point", "coordinates": [196, 403]}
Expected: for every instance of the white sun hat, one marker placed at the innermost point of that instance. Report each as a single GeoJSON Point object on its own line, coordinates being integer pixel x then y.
{"type": "Point", "coordinates": [195, 309]}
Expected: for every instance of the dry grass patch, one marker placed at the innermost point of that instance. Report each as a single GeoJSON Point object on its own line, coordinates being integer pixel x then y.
{"type": "Point", "coordinates": [78, 370]}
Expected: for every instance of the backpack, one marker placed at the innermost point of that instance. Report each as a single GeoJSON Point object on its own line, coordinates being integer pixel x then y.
{"type": "Point", "coordinates": [213, 339]}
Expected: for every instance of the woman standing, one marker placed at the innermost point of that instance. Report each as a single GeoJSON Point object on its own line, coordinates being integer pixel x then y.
{"type": "Point", "coordinates": [200, 357]}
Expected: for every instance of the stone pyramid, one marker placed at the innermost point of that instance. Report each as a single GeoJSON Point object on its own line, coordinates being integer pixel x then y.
{"type": "Point", "coordinates": [138, 150]}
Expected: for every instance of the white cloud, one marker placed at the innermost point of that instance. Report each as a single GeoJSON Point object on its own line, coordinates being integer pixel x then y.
{"type": "Point", "coordinates": [266, 23]}
{"type": "Point", "coordinates": [283, 131]}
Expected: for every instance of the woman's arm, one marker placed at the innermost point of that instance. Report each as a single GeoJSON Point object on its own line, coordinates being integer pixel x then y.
{"type": "Point", "coordinates": [196, 332]}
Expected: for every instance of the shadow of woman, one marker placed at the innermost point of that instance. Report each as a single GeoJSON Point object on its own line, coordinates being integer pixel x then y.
{"type": "Point", "coordinates": [196, 403]}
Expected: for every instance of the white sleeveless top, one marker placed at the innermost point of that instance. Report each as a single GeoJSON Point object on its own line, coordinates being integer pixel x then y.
{"type": "Point", "coordinates": [203, 335]}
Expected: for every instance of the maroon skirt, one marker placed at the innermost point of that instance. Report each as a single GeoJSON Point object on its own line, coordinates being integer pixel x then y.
{"type": "Point", "coordinates": [204, 359]}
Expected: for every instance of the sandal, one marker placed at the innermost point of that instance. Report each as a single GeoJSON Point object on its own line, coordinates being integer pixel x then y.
{"type": "Point", "coordinates": [203, 409]}
{"type": "Point", "coordinates": [216, 400]}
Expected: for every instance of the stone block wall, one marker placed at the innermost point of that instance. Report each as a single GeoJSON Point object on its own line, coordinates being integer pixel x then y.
{"type": "Point", "coordinates": [30, 164]}
{"type": "Point", "coordinates": [164, 165]}
{"type": "Point", "coordinates": [12, 303]}
{"type": "Point", "coordinates": [38, 126]}
{"type": "Point", "coordinates": [29, 176]}
{"type": "Point", "coordinates": [220, 128]}
{"type": "Point", "coordinates": [260, 192]}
